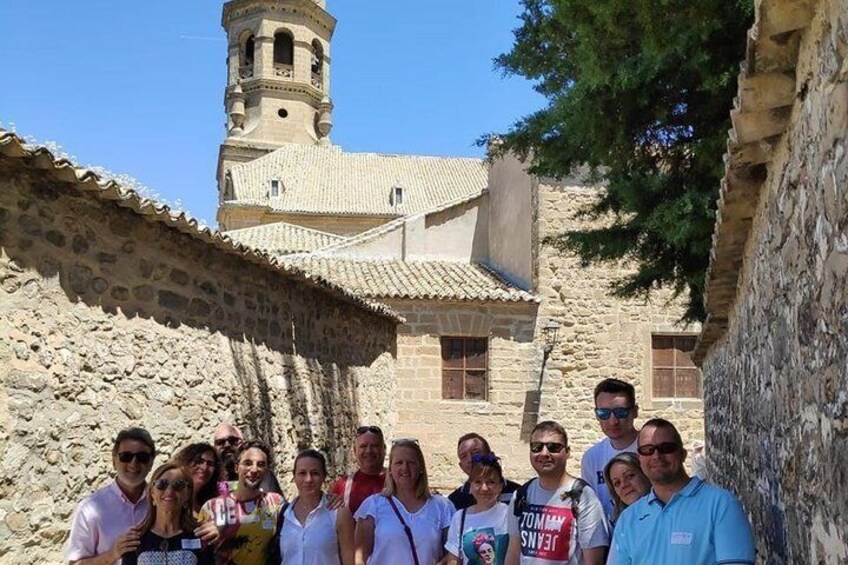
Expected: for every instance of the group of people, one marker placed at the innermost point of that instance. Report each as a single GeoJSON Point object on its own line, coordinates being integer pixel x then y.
{"type": "Point", "coordinates": [219, 503]}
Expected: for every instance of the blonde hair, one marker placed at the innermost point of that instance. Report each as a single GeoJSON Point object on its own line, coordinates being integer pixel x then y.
{"type": "Point", "coordinates": [422, 486]}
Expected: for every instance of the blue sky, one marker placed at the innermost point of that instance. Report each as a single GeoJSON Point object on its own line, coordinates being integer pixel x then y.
{"type": "Point", "coordinates": [137, 87]}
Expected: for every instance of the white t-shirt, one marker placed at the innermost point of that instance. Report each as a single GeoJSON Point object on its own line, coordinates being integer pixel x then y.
{"type": "Point", "coordinates": [485, 536]}
{"type": "Point", "coordinates": [547, 530]}
{"type": "Point", "coordinates": [592, 468]}
{"type": "Point", "coordinates": [391, 546]}
{"type": "Point", "coordinates": [312, 543]}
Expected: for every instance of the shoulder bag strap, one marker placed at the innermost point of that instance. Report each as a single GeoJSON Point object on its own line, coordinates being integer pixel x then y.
{"type": "Point", "coordinates": [405, 529]}
{"type": "Point", "coordinates": [461, 530]}
{"type": "Point", "coordinates": [276, 556]}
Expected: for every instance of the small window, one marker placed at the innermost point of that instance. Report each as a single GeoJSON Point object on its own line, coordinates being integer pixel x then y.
{"type": "Point", "coordinates": [283, 113]}
{"type": "Point", "coordinates": [397, 196]}
{"type": "Point", "coordinates": [275, 188]}
{"type": "Point", "coordinates": [673, 373]}
{"type": "Point", "coordinates": [249, 49]}
{"type": "Point", "coordinates": [465, 368]}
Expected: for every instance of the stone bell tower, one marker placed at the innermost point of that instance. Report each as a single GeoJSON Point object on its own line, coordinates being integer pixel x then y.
{"type": "Point", "coordinates": [278, 78]}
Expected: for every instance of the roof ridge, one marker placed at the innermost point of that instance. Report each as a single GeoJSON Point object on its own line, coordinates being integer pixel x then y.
{"type": "Point", "coordinates": [296, 226]}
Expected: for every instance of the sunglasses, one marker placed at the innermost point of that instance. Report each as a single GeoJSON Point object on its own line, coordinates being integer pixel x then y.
{"type": "Point", "coordinates": [142, 457]}
{"type": "Point", "coordinates": [232, 440]}
{"type": "Point", "coordinates": [365, 429]}
{"type": "Point", "coordinates": [402, 440]}
{"type": "Point", "coordinates": [665, 448]}
{"type": "Point", "coordinates": [606, 413]}
{"type": "Point", "coordinates": [203, 461]}
{"type": "Point", "coordinates": [486, 458]}
{"type": "Point", "coordinates": [553, 446]}
{"type": "Point", "coordinates": [177, 486]}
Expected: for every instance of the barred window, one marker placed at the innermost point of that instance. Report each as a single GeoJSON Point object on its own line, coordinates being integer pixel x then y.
{"type": "Point", "coordinates": [673, 373]}
{"type": "Point", "coordinates": [465, 368]}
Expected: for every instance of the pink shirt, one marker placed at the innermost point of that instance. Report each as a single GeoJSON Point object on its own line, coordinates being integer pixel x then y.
{"type": "Point", "coordinates": [99, 519]}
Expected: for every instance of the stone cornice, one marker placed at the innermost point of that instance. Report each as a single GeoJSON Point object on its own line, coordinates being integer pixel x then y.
{"type": "Point", "coordinates": [236, 9]}
{"type": "Point", "coordinates": [301, 90]}
{"type": "Point", "coordinates": [761, 114]}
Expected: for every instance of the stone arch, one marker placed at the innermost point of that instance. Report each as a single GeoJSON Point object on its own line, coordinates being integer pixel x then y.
{"type": "Point", "coordinates": [283, 47]}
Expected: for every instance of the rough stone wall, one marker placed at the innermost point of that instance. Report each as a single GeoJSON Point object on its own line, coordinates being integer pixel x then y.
{"type": "Point", "coordinates": [777, 383]}
{"type": "Point", "coordinates": [601, 337]}
{"type": "Point", "coordinates": [109, 320]}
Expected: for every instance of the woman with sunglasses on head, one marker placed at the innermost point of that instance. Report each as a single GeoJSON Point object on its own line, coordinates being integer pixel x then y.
{"type": "Point", "coordinates": [405, 523]}
{"type": "Point", "coordinates": [479, 533]}
{"type": "Point", "coordinates": [308, 532]}
{"type": "Point", "coordinates": [627, 483]}
{"type": "Point", "coordinates": [203, 463]}
{"type": "Point", "coordinates": [167, 532]}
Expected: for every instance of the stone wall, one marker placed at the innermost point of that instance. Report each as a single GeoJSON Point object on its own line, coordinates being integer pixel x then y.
{"type": "Point", "coordinates": [776, 382]}
{"type": "Point", "coordinates": [109, 319]}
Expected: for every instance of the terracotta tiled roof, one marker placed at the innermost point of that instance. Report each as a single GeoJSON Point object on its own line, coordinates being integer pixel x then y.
{"type": "Point", "coordinates": [282, 238]}
{"type": "Point", "coordinates": [326, 180]}
{"type": "Point", "coordinates": [13, 147]}
{"type": "Point", "coordinates": [393, 278]}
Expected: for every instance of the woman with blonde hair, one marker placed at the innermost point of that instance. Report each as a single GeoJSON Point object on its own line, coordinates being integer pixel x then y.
{"type": "Point", "coordinates": [166, 535]}
{"type": "Point", "coordinates": [626, 481]}
{"type": "Point", "coordinates": [404, 523]}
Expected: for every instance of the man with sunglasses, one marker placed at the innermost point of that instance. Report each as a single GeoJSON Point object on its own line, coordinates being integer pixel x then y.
{"type": "Point", "coordinates": [369, 451]}
{"type": "Point", "coordinates": [227, 441]}
{"type": "Point", "coordinates": [468, 447]}
{"type": "Point", "coordinates": [682, 519]}
{"type": "Point", "coordinates": [103, 524]}
{"type": "Point", "coordinates": [555, 519]}
{"type": "Point", "coordinates": [615, 409]}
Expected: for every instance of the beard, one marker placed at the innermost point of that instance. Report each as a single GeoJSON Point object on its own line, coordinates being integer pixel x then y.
{"type": "Point", "coordinates": [229, 463]}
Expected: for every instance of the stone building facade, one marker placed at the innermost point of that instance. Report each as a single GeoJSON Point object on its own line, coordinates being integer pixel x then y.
{"type": "Point", "coordinates": [775, 345]}
{"type": "Point", "coordinates": [115, 313]}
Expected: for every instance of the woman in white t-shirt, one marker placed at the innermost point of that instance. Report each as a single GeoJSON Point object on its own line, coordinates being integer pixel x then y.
{"type": "Point", "coordinates": [308, 533]}
{"type": "Point", "coordinates": [405, 523]}
{"type": "Point", "coordinates": [478, 535]}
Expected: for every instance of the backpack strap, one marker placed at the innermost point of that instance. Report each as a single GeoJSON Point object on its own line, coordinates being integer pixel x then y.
{"type": "Point", "coordinates": [406, 529]}
{"type": "Point", "coordinates": [574, 494]}
{"type": "Point", "coordinates": [275, 555]}
{"type": "Point", "coordinates": [521, 499]}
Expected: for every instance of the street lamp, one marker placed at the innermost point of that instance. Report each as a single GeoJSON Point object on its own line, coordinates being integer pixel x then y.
{"type": "Point", "coordinates": [551, 334]}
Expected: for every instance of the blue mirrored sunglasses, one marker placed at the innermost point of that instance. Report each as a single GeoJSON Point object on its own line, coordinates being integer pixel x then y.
{"type": "Point", "coordinates": [607, 413]}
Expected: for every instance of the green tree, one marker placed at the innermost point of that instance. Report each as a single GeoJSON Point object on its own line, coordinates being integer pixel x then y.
{"type": "Point", "coordinates": [640, 92]}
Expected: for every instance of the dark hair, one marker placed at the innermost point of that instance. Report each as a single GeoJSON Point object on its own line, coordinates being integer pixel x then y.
{"type": "Point", "coordinates": [663, 424]}
{"type": "Point", "coordinates": [312, 454]}
{"type": "Point", "coordinates": [616, 386]}
{"type": "Point", "coordinates": [186, 457]}
{"type": "Point", "coordinates": [187, 521]}
{"type": "Point", "coordinates": [136, 434]}
{"type": "Point", "coordinates": [254, 444]}
{"type": "Point", "coordinates": [473, 435]}
{"type": "Point", "coordinates": [631, 460]}
{"type": "Point", "coordinates": [552, 427]}
{"type": "Point", "coordinates": [485, 466]}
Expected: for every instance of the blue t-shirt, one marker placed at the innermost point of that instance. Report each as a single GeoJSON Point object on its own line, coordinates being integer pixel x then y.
{"type": "Point", "coordinates": [701, 525]}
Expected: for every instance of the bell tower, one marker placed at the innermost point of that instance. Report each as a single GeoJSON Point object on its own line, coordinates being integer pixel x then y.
{"type": "Point", "coordinates": [278, 78]}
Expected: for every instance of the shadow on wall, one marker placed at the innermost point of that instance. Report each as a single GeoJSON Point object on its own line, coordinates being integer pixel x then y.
{"type": "Point", "coordinates": [117, 262]}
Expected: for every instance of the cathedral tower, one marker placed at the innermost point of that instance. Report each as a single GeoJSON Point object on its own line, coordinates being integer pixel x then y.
{"type": "Point", "coordinates": [278, 78]}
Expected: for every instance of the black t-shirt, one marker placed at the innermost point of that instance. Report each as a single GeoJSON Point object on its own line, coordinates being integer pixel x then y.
{"type": "Point", "coordinates": [462, 498]}
{"type": "Point", "coordinates": [182, 549]}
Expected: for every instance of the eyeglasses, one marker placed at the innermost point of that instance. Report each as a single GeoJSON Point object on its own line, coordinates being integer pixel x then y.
{"type": "Point", "coordinates": [365, 429]}
{"type": "Point", "coordinates": [203, 461]}
{"type": "Point", "coordinates": [177, 486]}
{"type": "Point", "coordinates": [401, 440]}
{"type": "Point", "coordinates": [484, 458]}
{"type": "Point", "coordinates": [606, 413]}
{"type": "Point", "coordinates": [232, 440]}
{"type": "Point", "coordinates": [553, 446]}
{"type": "Point", "coordinates": [665, 448]}
{"type": "Point", "coordinates": [142, 457]}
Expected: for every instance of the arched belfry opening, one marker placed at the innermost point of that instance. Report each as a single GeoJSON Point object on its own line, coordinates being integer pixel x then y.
{"type": "Point", "coordinates": [283, 54]}
{"type": "Point", "coordinates": [317, 64]}
{"type": "Point", "coordinates": [247, 52]}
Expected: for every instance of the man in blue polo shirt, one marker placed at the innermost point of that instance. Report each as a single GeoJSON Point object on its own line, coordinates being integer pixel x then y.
{"type": "Point", "coordinates": [682, 519]}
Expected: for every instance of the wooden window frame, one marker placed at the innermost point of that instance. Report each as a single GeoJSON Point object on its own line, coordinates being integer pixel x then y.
{"type": "Point", "coordinates": [674, 367]}
{"type": "Point", "coordinates": [449, 372]}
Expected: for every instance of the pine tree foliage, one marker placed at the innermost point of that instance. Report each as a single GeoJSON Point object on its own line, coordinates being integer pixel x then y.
{"type": "Point", "coordinates": [641, 92]}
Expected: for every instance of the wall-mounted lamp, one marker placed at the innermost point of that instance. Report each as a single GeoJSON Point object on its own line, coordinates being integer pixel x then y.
{"type": "Point", "coordinates": [551, 334]}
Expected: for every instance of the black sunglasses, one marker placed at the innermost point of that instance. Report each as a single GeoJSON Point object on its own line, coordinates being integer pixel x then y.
{"type": "Point", "coordinates": [232, 440]}
{"type": "Point", "coordinates": [177, 486]}
{"type": "Point", "coordinates": [553, 446]}
{"type": "Point", "coordinates": [664, 448]}
{"type": "Point", "coordinates": [607, 413]}
{"type": "Point", "coordinates": [365, 429]}
{"type": "Point", "coordinates": [142, 457]}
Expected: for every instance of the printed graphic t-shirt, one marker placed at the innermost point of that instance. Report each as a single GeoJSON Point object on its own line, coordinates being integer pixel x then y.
{"type": "Point", "coordinates": [485, 536]}
{"type": "Point", "coordinates": [355, 492]}
{"type": "Point", "coordinates": [182, 549]}
{"type": "Point", "coordinates": [245, 527]}
{"type": "Point", "coordinates": [592, 468]}
{"type": "Point", "coordinates": [548, 531]}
